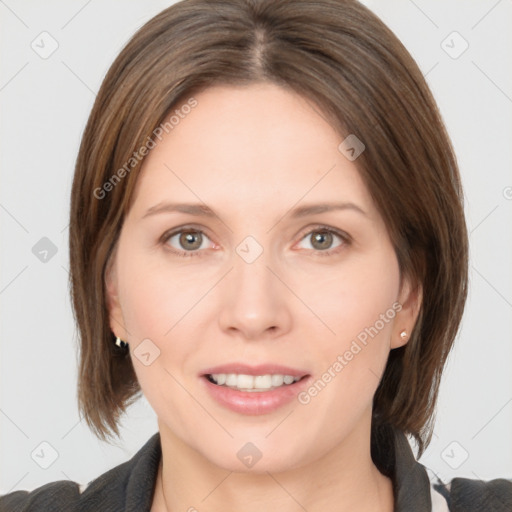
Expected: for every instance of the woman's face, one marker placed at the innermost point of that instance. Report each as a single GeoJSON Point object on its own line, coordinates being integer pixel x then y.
{"type": "Point", "coordinates": [248, 277]}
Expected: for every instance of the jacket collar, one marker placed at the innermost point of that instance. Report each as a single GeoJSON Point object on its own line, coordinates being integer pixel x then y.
{"type": "Point", "coordinates": [411, 484]}
{"type": "Point", "coordinates": [393, 457]}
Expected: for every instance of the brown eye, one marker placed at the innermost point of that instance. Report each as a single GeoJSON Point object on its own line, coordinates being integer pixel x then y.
{"type": "Point", "coordinates": [186, 242]}
{"type": "Point", "coordinates": [321, 240]}
{"type": "Point", "coordinates": [191, 240]}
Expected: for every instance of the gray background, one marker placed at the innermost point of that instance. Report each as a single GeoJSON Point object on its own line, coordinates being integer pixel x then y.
{"type": "Point", "coordinates": [44, 106]}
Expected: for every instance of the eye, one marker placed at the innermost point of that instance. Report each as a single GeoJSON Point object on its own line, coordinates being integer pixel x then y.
{"type": "Point", "coordinates": [188, 241]}
{"type": "Point", "coordinates": [322, 239]}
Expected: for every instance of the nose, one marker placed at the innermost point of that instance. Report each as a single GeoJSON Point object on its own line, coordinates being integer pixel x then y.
{"type": "Point", "coordinates": [255, 302]}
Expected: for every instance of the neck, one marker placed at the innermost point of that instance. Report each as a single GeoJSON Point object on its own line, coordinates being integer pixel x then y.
{"type": "Point", "coordinates": [345, 479]}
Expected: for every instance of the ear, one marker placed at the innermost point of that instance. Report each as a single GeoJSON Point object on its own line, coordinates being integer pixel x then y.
{"type": "Point", "coordinates": [410, 299]}
{"type": "Point", "coordinates": [115, 312]}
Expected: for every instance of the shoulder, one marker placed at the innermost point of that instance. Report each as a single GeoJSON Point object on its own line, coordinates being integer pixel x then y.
{"type": "Point", "coordinates": [50, 497]}
{"type": "Point", "coordinates": [131, 481]}
{"type": "Point", "coordinates": [66, 495]}
{"type": "Point", "coordinates": [471, 495]}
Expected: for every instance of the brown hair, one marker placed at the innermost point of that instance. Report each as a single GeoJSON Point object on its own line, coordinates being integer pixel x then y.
{"type": "Point", "coordinates": [340, 56]}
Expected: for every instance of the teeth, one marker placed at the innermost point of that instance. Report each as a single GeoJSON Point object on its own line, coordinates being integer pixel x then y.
{"type": "Point", "coordinates": [221, 379]}
{"type": "Point", "coordinates": [252, 382]}
{"type": "Point", "coordinates": [277, 380]}
{"type": "Point", "coordinates": [231, 379]}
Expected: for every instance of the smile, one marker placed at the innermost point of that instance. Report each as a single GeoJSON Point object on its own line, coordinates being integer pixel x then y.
{"type": "Point", "coordinates": [252, 383]}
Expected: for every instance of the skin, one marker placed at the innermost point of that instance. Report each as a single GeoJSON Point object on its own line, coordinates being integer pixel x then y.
{"type": "Point", "coordinates": [293, 305]}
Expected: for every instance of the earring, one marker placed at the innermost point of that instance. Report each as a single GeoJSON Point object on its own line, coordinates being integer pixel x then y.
{"type": "Point", "coordinates": [120, 342]}
{"type": "Point", "coordinates": [403, 334]}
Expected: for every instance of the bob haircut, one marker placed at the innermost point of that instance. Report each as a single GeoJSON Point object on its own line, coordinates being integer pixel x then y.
{"type": "Point", "coordinates": [344, 60]}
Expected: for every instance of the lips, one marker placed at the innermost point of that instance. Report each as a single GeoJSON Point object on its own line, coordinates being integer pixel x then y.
{"type": "Point", "coordinates": [259, 402]}
{"type": "Point", "coordinates": [261, 369]}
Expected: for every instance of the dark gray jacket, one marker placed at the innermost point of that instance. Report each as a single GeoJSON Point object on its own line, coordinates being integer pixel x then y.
{"type": "Point", "coordinates": [129, 487]}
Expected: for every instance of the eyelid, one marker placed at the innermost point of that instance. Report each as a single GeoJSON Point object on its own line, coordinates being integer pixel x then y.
{"type": "Point", "coordinates": [324, 227]}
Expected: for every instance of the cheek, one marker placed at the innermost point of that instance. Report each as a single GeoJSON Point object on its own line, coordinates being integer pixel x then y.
{"type": "Point", "coordinates": [166, 304]}
{"type": "Point", "coordinates": [356, 303]}
{"type": "Point", "coordinates": [158, 305]}
{"type": "Point", "coordinates": [352, 296]}
{"type": "Point", "coordinates": [156, 296]}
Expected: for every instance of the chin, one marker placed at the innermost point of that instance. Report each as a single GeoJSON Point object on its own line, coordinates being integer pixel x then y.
{"type": "Point", "coordinates": [253, 457]}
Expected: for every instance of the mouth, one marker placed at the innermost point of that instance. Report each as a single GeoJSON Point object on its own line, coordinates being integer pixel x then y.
{"type": "Point", "coordinates": [253, 390]}
{"type": "Point", "coordinates": [252, 383]}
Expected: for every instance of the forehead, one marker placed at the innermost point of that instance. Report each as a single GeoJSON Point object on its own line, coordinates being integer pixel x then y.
{"type": "Point", "coordinates": [253, 146]}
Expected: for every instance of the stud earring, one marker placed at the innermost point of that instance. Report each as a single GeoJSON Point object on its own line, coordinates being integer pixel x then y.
{"type": "Point", "coordinates": [403, 334]}
{"type": "Point", "coordinates": [120, 342]}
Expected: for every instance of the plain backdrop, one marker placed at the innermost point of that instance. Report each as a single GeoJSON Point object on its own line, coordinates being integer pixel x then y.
{"type": "Point", "coordinates": [464, 49]}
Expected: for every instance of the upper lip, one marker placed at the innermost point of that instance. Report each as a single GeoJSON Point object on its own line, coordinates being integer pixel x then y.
{"type": "Point", "coordinates": [260, 369]}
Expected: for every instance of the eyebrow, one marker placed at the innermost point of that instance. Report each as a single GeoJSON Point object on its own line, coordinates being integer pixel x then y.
{"type": "Point", "coordinates": [201, 210]}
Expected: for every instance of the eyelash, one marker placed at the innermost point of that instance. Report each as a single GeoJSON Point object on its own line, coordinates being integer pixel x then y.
{"type": "Point", "coordinates": [346, 239]}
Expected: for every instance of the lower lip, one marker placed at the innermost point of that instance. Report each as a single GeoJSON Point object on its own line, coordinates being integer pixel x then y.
{"type": "Point", "coordinates": [255, 402]}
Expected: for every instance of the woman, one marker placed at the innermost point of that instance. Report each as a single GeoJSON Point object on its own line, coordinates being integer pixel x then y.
{"type": "Point", "coordinates": [267, 240]}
